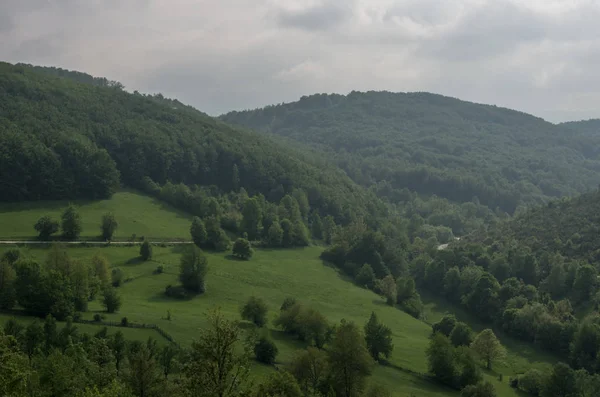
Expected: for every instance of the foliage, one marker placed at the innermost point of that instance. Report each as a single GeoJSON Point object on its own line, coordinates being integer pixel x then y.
{"type": "Point", "coordinates": [488, 347]}
{"type": "Point", "coordinates": [349, 360]}
{"type": "Point", "coordinates": [71, 223]}
{"type": "Point", "coordinates": [109, 226]}
{"type": "Point", "coordinates": [146, 250]}
{"type": "Point", "coordinates": [561, 382]}
{"type": "Point", "coordinates": [365, 276]}
{"type": "Point", "coordinates": [280, 383]}
{"type": "Point", "coordinates": [73, 138]}
{"type": "Point", "coordinates": [198, 232]}
{"type": "Point", "coordinates": [440, 357]}
{"type": "Point", "coordinates": [306, 323]}
{"type": "Point", "coordinates": [193, 267]}
{"type": "Point", "coordinates": [216, 366]}
{"type": "Point", "coordinates": [265, 350]}
{"type": "Point", "coordinates": [482, 389]}
{"type": "Point", "coordinates": [461, 335]}
{"type": "Point", "coordinates": [532, 382]}
{"type": "Point", "coordinates": [378, 338]}
{"type": "Point", "coordinates": [310, 368]}
{"type": "Point", "coordinates": [255, 310]}
{"type": "Point", "coordinates": [46, 227]}
{"type": "Point", "coordinates": [242, 249]}
{"type": "Point", "coordinates": [111, 300]}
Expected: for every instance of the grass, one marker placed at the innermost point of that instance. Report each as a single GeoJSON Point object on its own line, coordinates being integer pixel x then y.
{"type": "Point", "coordinates": [271, 274]}
{"type": "Point", "coordinates": [136, 213]}
{"type": "Point", "coordinates": [275, 275]}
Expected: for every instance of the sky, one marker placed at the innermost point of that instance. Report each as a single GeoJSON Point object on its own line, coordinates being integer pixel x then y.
{"type": "Point", "coordinates": [537, 56]}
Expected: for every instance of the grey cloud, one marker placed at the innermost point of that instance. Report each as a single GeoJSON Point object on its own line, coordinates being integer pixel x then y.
{"type": "Point", "coordinates": [320, 17]}
{"type": "Point", "coordinates": [236, 54]}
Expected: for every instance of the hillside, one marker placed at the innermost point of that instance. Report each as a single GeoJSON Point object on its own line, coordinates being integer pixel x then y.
{"type": "Point", "coordinates": [67, 139]}
{"type": "Point", "coordinates": [130, 208]}
{"type": "Point", "coordinates": [570, 227]}
{"type": "Point", "coordinates": [431, 144]}
{"type": "Point", "coordinates": [274, 275]}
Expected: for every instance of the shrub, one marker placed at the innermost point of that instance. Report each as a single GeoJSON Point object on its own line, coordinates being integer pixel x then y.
{"type": "Point", "coordinates": [124, 322]}
{"type": "Point", "coordinates": [177, 292]}
{"type": "Point", "coordinates": [242, 249]}
{"type": "Point", "coordinates": [97, 317]}
{"type": "Point", "coordinates": [160, 269]}
{"type": "Point", "coordinates": [111, 300]}
{"type": "Point", "coordinates": [531, 382]}
{"type": "Point", "coordinates": [117, 277]}
{"type": "Point", "coordinates": [255, 310]}
{"type": "Point", "coordinates": [265, 350]}
{"type": "Point", "coordinates": [192, 269]}
{"type": "Point", "coordinates": [46, 226]}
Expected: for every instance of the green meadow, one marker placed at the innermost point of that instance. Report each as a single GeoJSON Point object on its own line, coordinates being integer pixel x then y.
{"type": "Point", "coordinates": [271, 274]}
{"type": "Point", "coordinates": [136, 213]}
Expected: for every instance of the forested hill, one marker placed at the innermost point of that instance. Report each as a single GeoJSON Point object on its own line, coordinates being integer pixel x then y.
{"type": "Point", "coordinates": [433, 144]}
{"type": "Point", "coordinates": [65, 136]}
{"type": "Point", "coordinates": [586, 128]}
{"type": "Point", "coordinates": [570, 227]}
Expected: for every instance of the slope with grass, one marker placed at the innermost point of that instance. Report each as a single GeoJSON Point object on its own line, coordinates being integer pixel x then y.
{"type": "Point", "coordinates": [136, 214]}
{"type": "Point", "coordinates": [433, 144]}
{"type": "Point", "coordinates": [275, 275]}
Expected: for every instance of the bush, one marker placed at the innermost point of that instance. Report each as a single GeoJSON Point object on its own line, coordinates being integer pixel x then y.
{"type": "Point", "coordinates": [117, 277]}
{"type": "Point", "coordinates": [265, 350]}
{"type": "Point", "coordinates": [97, 317]}
{"type": "Point", "coordinates": [242, 249]}
{"type": "Point", "coordinates": [365, 277]}
{"type": "Point", "coordinates": [255, 310]}
{"type": "Point", "coordinates": [177, 292]}
{"type": "Point", "coordinates": [46, 227]}
{"type": "Point", "coordinates": [111, 300]}
{"type": "Point", "coordinates": [160, 269]}
{"type": "Point", "coordinates": [146, 250]}
{"type": "Point", "coordinates": [531, 382]}
{"type": "Point", "coordinates": [124, 322]}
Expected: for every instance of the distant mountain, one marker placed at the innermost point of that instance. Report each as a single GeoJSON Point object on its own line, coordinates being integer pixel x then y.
{"type": "Point", "coordinates": [67, 135]}
{"type": "Point", "coordinates": [436, 145]}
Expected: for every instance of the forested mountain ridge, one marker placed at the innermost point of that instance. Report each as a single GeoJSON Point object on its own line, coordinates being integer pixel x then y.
{"type": "Point", "coordinates": [433, 144]}
{"type": "Point", "coordinates": [64, 138]}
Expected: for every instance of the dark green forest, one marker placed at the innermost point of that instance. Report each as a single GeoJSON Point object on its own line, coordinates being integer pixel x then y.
{"type": "Point", "coordinates": [435, 145]}
{"type": "Point", "coordinates": [68, 135]}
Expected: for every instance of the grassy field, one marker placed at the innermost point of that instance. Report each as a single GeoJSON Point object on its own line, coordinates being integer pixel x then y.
{"type": "Point", "coordinates": [271, 274]}
{"type": "Point", "coordinates": [136, 213]}
{"type": "Point", "coordinates": [275, 275]}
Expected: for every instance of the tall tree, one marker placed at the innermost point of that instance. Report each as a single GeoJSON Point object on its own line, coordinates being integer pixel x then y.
{"type": "Point", "coordinates": [193, 267]}
{"type": "Point", "coordinates": [198, 232]}
{"type": "Point", "coordinates": [109, 226]}
{"type": "Point", "coordinates": [146, 250]}
{"type": "Point", "coordinates": [349, 360]}
{"type": "Point", "coordinates": [378, 338]}
{"type": "Point", "coordinates": [488, 347]}
{"type": "Point", "coordinates": [143, 374]}
{"type": "Point", "coordinates": [561, 382]}
{"type": "Point", "coordinates": [71, 223]}
{"type": "Point", "coordinates": [440, 359]}
{"type": "Point", "coordinates": [310, 369]}
{"type": "Point", "coordinates": [8, 292]}
{"type": "Point", "coordinates": [216, 366]}
{"type": "Point", "coordinates": [252, 218]}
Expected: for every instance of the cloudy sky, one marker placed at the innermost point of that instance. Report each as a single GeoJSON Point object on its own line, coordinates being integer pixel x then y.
{"type": "Point", "coordinates": [539, 56]}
